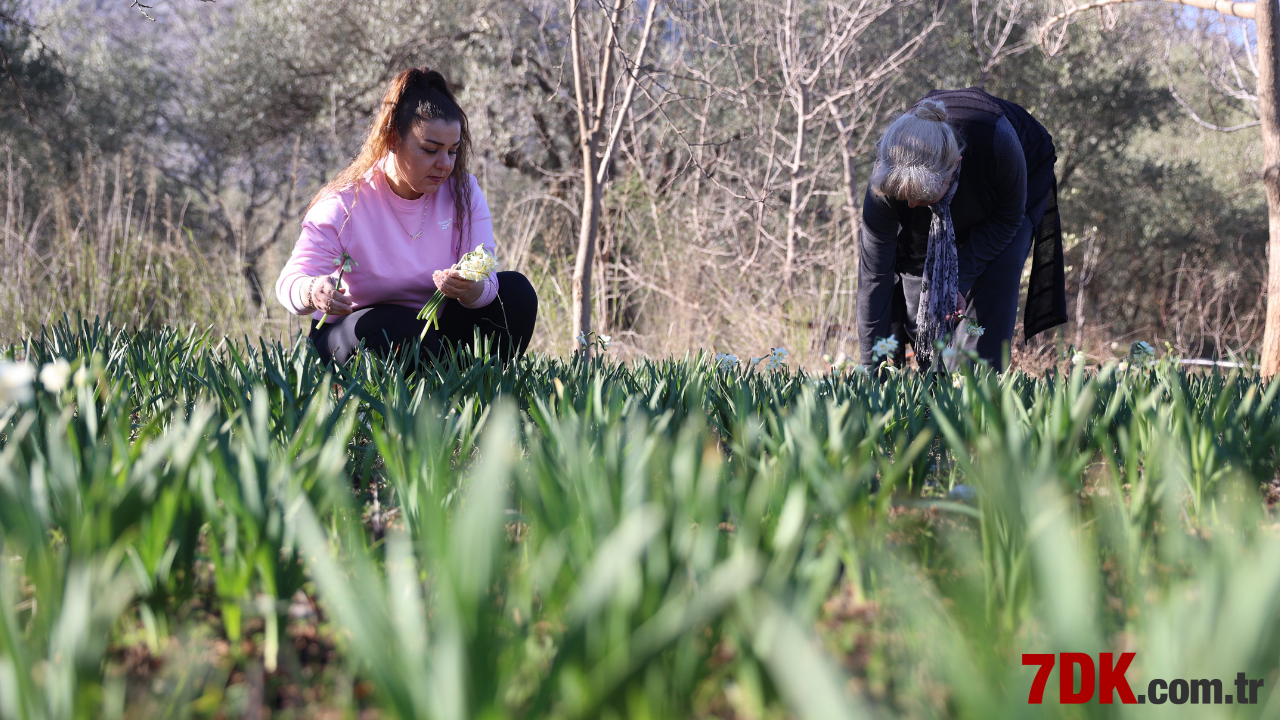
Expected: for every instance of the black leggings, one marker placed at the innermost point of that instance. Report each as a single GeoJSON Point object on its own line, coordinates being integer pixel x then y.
{"type": "Point", "coordinates": [507, 322]}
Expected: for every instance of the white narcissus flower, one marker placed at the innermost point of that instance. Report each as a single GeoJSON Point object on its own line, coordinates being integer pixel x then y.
{"type": "Point", "coordinates": [974, 329]}
{"type": "Point", "coordinates": [1078, 359]}
{"type": "Point", "coordinates": [54, 375]}
{"type": "Point", "coordinates": [884, 347]}
{"type": "Point", "coordinates": [777, 359]}
{"type": "Point", "coordinates": [605, 340]}
{"type": "Point", "coordinates": [725, 361]}
{"type": "Point", "coordinates": [15, 382]}
{"type": "Point", "coordinates": [582, 339]}
{"type": "Point", "coordinates": [957, 382]}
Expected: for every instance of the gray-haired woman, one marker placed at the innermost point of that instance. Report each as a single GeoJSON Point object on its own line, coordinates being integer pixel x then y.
{"type": "Point", "coordinates": [962, 189]}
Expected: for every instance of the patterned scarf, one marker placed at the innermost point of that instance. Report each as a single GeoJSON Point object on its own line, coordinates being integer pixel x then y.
{"type": "Point", "coordinates": [936, 318]}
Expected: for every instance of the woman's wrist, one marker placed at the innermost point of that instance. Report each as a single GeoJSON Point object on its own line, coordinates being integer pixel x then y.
{"type": "Point", "coordinates": [306, 299]}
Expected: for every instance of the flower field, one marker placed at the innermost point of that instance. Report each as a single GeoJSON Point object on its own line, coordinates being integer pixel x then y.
{"type": "Point", "coordinates": [203, 528]}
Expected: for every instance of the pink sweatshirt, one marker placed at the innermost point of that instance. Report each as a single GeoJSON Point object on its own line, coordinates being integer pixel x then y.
{"type": "Point", "coordinates": [390, 266]}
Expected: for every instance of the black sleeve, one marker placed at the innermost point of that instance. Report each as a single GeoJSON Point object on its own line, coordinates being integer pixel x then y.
{"type": "Point", "coordinates": [877, 255]}
{"type": "Point", "coordinates": [989, 237]}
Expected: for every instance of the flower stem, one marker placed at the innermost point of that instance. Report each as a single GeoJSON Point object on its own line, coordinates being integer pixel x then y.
{"type": "Point", "coordinates": [430, 312]}
{"type": "Point", "coordinates": [336, 288]}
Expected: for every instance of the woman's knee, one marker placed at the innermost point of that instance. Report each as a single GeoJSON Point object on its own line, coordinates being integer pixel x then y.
{"type": "Point", "coordinates": [514, 286]}
{"type": "Point", "coordinates": [518, 296]}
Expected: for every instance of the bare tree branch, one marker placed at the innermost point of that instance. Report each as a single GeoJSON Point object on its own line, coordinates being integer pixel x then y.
{"type": "Point", "coordinates": [1226, 7]}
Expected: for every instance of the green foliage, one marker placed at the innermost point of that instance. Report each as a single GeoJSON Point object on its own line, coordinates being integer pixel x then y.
{"type": "Point", "coordinates": [581, 538]}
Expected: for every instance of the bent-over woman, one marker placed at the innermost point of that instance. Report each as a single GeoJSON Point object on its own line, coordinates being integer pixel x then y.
{"type": "Point", "coordinates": [962, 189]}
{"type": "Point", "coordinates": [404, 212]}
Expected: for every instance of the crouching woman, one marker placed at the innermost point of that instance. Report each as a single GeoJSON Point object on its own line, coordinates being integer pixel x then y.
{"type": "Point", "coordinates": [392, 225]}
{"type": "Point", "coordinates": [962, 191]}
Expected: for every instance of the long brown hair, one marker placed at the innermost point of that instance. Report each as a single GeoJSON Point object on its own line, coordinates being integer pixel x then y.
{"type": "Point", "coordinates": [415, 95]}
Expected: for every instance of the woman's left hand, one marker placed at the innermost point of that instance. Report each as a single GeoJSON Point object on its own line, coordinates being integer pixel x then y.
{"type": "Point", "coordinates": [452, 285]}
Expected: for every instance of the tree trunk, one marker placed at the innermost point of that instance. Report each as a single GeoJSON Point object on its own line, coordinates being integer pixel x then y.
{"type": "Point", "coordinates": [589, 228]}
{"type": "Point", "coordinates": [797, 179]}
{"type": "Point", "coordinates": [1265, 17]}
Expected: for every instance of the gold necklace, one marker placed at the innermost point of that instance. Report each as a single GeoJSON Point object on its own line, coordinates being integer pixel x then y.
{"type": "Point", "coordinates": [421, 227]}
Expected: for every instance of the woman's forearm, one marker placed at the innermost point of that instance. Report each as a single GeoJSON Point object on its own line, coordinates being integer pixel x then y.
{"type": "Point", "coordinates": [877, 256]}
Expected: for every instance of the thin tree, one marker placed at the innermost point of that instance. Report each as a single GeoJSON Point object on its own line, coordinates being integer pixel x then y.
{"type": "Point", "coordinates": [1263, 13]}
{"type": "Point", "coordinates": [600, 120]}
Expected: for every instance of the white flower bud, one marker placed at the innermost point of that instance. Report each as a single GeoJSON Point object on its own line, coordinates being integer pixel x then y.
{"type": "Point", "coordinates": [54, 375]}
{"type": "Point", "coordinates": [15, 382]}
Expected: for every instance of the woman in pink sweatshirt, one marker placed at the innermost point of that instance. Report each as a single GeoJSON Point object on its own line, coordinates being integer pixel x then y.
{"type": "Point", "coordinates": [403, 213]}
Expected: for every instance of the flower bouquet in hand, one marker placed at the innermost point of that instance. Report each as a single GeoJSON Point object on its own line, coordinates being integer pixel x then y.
{"type": "Point", "coordinates": [344, 263]}
{"type": "Point", "coordinates": [475, 266]}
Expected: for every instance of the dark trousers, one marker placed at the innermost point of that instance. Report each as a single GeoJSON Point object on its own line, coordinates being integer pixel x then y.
{"type": "Point", "coordinates": [507, 322]}
{"type": "Point", "coordinates": [992, 302]}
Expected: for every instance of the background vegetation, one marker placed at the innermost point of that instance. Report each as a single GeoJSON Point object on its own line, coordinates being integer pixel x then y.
{"type": "Point", "coordinates": [159, 170]}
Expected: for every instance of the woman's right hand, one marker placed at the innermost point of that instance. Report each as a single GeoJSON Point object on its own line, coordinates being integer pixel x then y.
{"type": "Point", "coordinates": [327, 298]}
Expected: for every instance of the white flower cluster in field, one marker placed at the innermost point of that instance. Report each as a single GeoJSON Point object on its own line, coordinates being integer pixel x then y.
{"type": "Point", "coordinates": [589, 338]}
{"type": "Point", "coordinates": [17, 379]}
{"type": "Point", "coordinates": [478, 264]}
{"type": "Point", "coordinates": [726, 361]}
{"type": "Point", "coordinates": [777, 359]}
{"type": "Point", "coordinates": [884, 347]}
{"type": "Point", "coordinates": [972, 327]}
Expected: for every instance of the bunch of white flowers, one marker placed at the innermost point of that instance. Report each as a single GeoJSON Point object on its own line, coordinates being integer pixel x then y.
{"type": "Point", "coordinates": [15, 382]}
{"type": "Point", "coordinates": [475, 266]}
{"type": "Point", "coordinates": [54, 375]}
{"type": "Point", "coordinates": [725, 361]}
{"type": "Point", "coordinates": [972, 327]}
{"type": "Point", "coordinates": [884, 347]}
